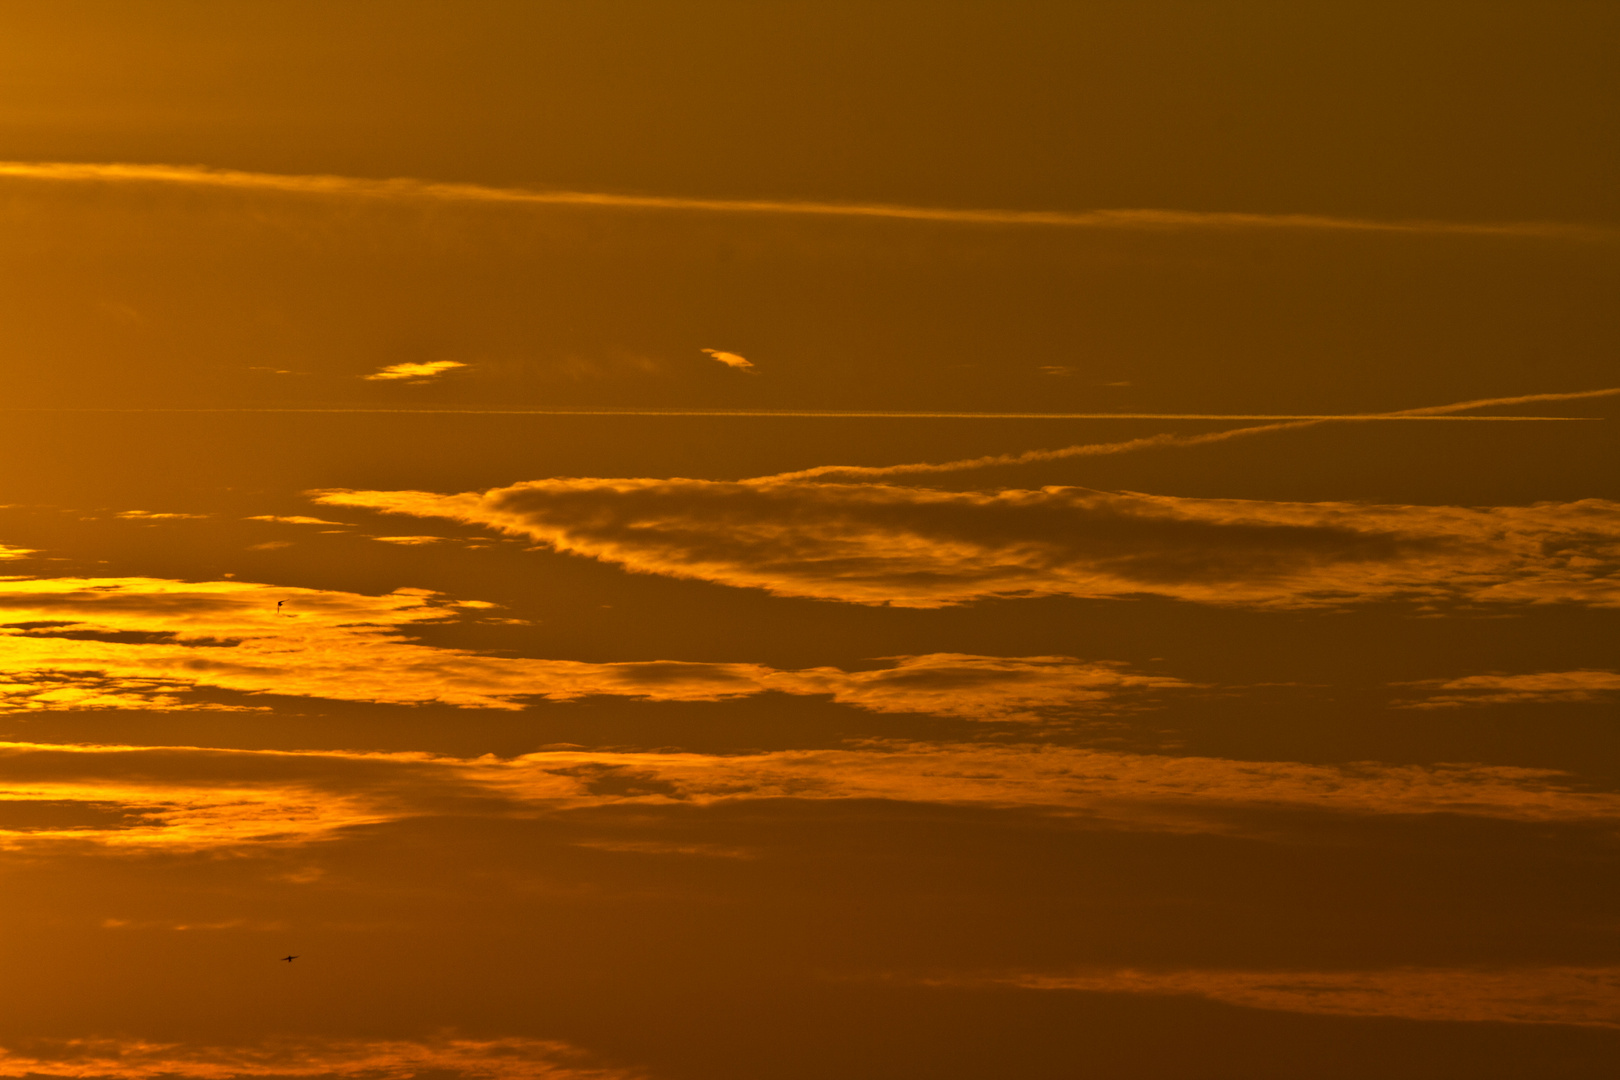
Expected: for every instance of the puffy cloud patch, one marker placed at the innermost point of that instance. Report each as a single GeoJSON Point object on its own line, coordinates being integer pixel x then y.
{"type": "Point", "coordinates": [920, 547]}
{"type": "Point", "coordinates": [413, 372]}
{"type": "Point", "coordinates": [730, 359]}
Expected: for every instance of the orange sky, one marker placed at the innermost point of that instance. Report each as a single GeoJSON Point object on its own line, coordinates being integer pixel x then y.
{"type": "Point", "coordinates": [759, 541]}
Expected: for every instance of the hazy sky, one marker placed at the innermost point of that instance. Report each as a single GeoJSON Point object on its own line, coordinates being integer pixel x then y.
{"type": "Point", "coordinates": [775, 541]}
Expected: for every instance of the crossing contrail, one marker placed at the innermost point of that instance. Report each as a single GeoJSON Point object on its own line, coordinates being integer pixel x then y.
{"type": "Point", "coordinates": [1429, 412]}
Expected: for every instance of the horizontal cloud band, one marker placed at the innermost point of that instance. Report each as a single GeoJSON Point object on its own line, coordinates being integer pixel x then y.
{"type": "Point", "coordinates": [138, 643]}
{"type": "Point", "coordinates": [196, 797]}
{"type": "Point", "coordinates": [919, 547]}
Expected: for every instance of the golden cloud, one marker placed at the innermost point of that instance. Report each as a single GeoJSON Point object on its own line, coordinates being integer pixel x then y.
{"type": "Point", "coordinates": [1585, 686]}
{"type": "Point", "coordinates": [921, 547]}
{"type": "Point", "coordinates": [413, 372]}
{"type": "Point", "coordinates": [86, 643]}
{"type": "Point", "coordinates": [730, 359]}
{"type": "Point", "coordinates": [196, 797]}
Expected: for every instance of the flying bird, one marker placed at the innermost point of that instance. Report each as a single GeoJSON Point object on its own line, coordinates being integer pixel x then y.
{"type": "Point", "coordinates": [730, 359]}
{"type": "Point", "coordinates": [289, 959]}
{"type": "Point", "coordinates": [278, 606]}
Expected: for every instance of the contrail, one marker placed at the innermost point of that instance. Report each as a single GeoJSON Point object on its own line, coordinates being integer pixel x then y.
{"type": "Point", "coordinates": [1151, 441]}
{"type": "Point", "coordinates": [426, 190]}
{"type": "Point", "coordinates": [832, 414]}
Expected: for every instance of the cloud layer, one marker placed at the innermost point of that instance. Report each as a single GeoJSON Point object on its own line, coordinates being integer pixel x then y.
{"type": "Point", "coordinates": [143, 643]}
{"type": "Point", "coordinates": [917, 547]}
{"type": "Point", "coordinates": [193, 797]}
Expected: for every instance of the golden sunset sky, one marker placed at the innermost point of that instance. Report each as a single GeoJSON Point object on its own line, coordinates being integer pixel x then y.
{"type": "Point", "coordinates": [687, 540]}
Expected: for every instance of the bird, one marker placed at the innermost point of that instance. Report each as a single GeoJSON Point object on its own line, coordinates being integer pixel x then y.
{"type": "Point", "coordinates": [278, 606]}
{"type": "Point", "coordinates": [289, 959]}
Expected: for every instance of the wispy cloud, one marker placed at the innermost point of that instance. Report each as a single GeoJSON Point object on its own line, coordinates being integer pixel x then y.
{"type": "Point", "coordinates": [293, 519]}
{"type": "Point", "coordinates": [730, 359]}
{"type": "Point", "coordinates": [188, 798]}
{"type": "Point", "coordinates": [1586, 686]}
{"type": "Point", "coordinates": [513, 1058]}
{"type": "Point", "coordinates": [413, 372]}
{"type": "Point", "coordinates": [142, 643]}
{"type": "Point", "coordinates": [1585, 996]}
{"type": "Point", "coordinates": [920, 547]}
{"type": "Point", "coordinates": [419, 190]}
{"type": "Point", "coordinates": [149, 515]}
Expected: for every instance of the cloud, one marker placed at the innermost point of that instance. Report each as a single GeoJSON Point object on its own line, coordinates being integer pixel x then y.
{"type": "Point", "coordinates": [512, 1058]}
{"type": "Point", "coordinates": [427, 191]}
{"type": "Point", "coordinates": [1585, 686]}
{"type": "Point", "coordinates": [730, 359]}
{"type": "Point", "coordinates": [189, 798]}
{"type": "Point", "coordinates": [920, 547]}
{"type": "Point", "coordinates": [132, 643]}
{"type": "Point", "coordinates": [975, 687]}
{"type": "Point", "coordinates": [8, 552]}
{"type": "Point", "coordinates": [414, 372]}
{"type": "Point", "coordinates": [147, 515]}
{"type": "Point", "coordinates": [1585, 996]}
{"type": "Point", "coordinates": [294, 519]}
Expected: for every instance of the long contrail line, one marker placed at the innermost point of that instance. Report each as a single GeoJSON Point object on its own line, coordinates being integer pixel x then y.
{"type": "Point", "coordinates": [805, 413]}
{"type": "Point", "coordinates": [1166, 440]}
{"type": "Point", "coordinates": [426, 190]}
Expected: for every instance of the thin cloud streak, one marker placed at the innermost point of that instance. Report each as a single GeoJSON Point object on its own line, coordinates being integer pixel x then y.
{"type": "Point", "coordinates": [420, 190]}
{"type": "Point", "coordinates": [1587, 686]}
{"type": "Point", "coordinates": [1583, 996]}
{"type": "Point", "coordinates": [513, 1058]}
{"type": "Point", "coordinates": [1429, 412]}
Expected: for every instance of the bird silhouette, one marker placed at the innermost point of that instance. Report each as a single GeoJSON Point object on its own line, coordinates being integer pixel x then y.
{"type": "Point", "coordinates": [278, 606]}
{"type": "Point", "coordinates": [289, 959]}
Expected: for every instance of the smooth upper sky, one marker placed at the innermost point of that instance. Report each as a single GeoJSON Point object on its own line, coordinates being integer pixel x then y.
{"type": "Point", "coordinates": [772, 541]}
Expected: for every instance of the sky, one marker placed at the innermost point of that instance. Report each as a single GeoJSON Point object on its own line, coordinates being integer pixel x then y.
{"type": "Point", "coordinates": [687, 540]}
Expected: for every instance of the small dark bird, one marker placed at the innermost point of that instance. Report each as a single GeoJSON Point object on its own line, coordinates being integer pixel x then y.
{"type": "Point", "coordinates": [278, 606]}
{"type": "Point", "coordinates": [289, 959]}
